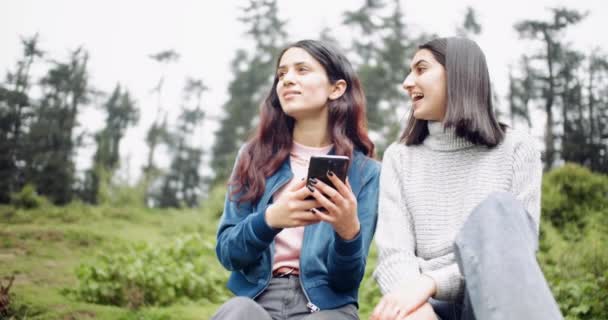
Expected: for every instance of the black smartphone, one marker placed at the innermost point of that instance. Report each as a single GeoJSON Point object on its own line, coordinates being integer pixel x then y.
{"type": "Point", "coordinates": [320, 165]}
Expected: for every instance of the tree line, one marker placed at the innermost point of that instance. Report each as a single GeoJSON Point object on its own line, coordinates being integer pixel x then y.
{"type": "Point", "coordinates": [39, 117]}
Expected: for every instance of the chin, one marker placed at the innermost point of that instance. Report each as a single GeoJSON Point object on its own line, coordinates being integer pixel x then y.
{"type": "Point", "coordinates": [296, 111]}
{"type": "Point", "coordinates": [292, 111]}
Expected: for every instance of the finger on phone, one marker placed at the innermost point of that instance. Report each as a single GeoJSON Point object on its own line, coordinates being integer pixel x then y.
{"type": "Point", "coordinates": [302, 192]}
{"type": "Point", "coordinates": [340, 186]}
{"type": "Point", "coordinates": [326, 203]}
{"type": "Point", "coordinates": [334, 195]}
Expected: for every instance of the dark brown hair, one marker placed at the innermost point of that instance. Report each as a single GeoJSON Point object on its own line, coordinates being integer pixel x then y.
{"type": "Point", "coordinates": [271, 143]}
{"type": "Point", "coordinates": [469, 107]}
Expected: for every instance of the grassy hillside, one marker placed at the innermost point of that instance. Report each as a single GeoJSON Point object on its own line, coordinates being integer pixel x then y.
{"type": "Point", "coordinates": [43, 248]}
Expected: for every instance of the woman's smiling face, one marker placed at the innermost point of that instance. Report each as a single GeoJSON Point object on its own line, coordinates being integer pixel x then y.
{"type": "Point", "coordinates": [426, 85]}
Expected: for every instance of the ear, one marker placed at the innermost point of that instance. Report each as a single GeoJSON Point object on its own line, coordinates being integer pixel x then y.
{"type": "Point", "coordinates": [337, 89]}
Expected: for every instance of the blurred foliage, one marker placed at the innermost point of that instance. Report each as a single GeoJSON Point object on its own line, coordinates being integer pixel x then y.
{"type": "Point", "coordinates": [570, 194]}
{"type": "Point", "coordinates": [142, 275]}
{"type": "Point", "coordinates": [214, 204]}
{"type": "Point", "coordinates": [574, 240]}
{"type": "Point", "coordinates": [28, 198]}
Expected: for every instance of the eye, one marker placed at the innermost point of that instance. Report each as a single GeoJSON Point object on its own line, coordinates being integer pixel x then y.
{"type": "Point", "coordinates": [302, 69]}
{"type": "Point", "coordinates": [420, 69]}
{"type": "Point", "coordinates": [280, 74]}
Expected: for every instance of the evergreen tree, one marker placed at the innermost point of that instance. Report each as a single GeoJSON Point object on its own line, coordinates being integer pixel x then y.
{"type": "Point", "coordinates": [15, 112]}
{"type": "Point", "coordinates": [382, 49]}
{"type": "Point", "coordinates": [597, 110]}
{"type": "Point", "coordinates": [182, 184]}
{"type": "Point", "coordinates": [158, 132]}
{"type": "Point", "coordinates": [51, 140]}
{"type": "Point", "coordinates": [121, 113]}
{"type": "Point", "coordinates": [549, 33]}
{"type": "Point", "coordinates": [521, 91]}
{"type": "Point", "coordinates": [470, 26]}
{"type": "Point", "coordinates": [253, 74]}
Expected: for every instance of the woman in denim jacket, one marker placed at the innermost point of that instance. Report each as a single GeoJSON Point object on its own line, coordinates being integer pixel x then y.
{"type": "Point", "coordinates": [297, 249]}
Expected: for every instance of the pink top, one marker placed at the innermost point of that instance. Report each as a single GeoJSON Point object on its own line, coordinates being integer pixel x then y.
{"type": "Point", "coordinates": [288, 242]}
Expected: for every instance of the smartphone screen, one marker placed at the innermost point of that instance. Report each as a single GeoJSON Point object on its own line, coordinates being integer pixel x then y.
{"type": "Point", "coordinates": [320, 165]}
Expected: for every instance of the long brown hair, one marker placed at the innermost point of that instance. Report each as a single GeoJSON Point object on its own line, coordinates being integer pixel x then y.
{"type": "Point", "coordinates": [271, 143]}
{"type": "Point", "coordinates": [469, 102]}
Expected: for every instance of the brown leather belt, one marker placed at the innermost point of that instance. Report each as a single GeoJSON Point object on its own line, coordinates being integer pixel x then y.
{"type": "Point", "coordinates": [285, 272]}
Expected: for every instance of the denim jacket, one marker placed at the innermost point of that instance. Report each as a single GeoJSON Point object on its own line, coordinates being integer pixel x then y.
{"type": "Point", "coordinates": [331, 268]}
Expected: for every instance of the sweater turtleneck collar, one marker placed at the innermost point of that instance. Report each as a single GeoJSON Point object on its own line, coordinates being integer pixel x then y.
{"type": "Point", "coordinates": [444, 139]}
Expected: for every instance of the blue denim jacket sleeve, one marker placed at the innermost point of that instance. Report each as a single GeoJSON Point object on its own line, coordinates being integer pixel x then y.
{"type": "Point", "coordinates": [243, 234]}
{"type": "Point", "coordinates": [346, 261]}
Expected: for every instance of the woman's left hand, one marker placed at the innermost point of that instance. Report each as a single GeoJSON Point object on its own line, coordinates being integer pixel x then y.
{"type": "Point", "coordinates": [340, 203]}
{"type": "Point", "coordinates": [404, 301]}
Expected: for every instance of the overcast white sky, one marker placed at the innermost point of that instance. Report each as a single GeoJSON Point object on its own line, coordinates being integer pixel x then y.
{"type": "Point", "coordinates": [120, 35]}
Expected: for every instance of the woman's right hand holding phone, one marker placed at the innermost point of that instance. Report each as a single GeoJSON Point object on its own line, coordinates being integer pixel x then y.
{"type": "Point", "coordinates": [291, 210]}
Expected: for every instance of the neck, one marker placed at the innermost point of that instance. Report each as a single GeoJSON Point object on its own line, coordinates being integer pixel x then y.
{"type": "Point", "coordinates": [312, 132]}
{"type": "Point", "coordinates": [441, 139]}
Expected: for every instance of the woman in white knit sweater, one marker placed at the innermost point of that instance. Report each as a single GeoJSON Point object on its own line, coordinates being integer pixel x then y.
{"type": "Point", "coordinates": [459, 205]}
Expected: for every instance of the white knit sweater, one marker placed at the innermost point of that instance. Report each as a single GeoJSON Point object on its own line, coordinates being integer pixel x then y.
{"type": "Point", "coordinates": [427, 192]}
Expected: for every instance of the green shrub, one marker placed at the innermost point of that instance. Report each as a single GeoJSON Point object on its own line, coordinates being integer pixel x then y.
{"type": "Point", "coordinates": [127, 196]}
{"type": "Point", "coordinates": [570, 192]}
{"type": "Point", "coordinates": [577, 271]}
{"type": "Point", "coordinates": [28, 198]}
{"type": "Point", "coordinates": [574, 241]}
{"type": "Point", "coordinates": [142, 275]}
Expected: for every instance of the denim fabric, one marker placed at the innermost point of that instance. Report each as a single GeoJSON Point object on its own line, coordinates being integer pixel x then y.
{"type": "Point", "coordinates": [331, 268]}
{"type": "Point", "coordinates": [495, 251]}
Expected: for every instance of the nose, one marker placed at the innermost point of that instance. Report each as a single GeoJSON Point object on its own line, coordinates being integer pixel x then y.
{"type": "Point", "coordinates": [288, 78]}
{"type": "Point", "coordinates": [408, 83]}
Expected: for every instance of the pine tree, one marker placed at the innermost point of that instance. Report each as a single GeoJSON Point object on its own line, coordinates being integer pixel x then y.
{"type": "Point", "coordinates": [15, 113]}
{"type": "Point", "coordinates": [121, 113]}
{"type": "Point", "coordinates": [253, 74]}
{"type": "Point", "coordinates": [549, 33]}
{"type": "Point", "coordinates": [158, 133]}
{"type": "Point", "coordinates": [521, 90]}
{"type": "Point", "coordinates": [182, 185]}
{"type": "Point", "coordinates": [383, 50]}
{"type": "Point", "coordinates": [470, 26]}
{"type": "Point", "coordinates": [51, 140]}
{"type": "Point", "coordinates": [597, 110]}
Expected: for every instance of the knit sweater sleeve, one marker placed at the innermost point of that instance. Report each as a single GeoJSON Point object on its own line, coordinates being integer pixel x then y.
{"type": "Point", "coordinates": [449, 282]}
{"type": "Point", "coordinates": [527, 177]}
{"type": "Point", "coordinates": [395, 237]}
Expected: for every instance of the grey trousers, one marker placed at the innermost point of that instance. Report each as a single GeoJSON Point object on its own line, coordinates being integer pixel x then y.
{"type": "Point", "coordinates": [282, 300]}
{"type": "Point", "coordinates": [495, 251]}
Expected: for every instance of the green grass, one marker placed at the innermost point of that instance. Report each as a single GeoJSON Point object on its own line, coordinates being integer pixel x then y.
{"type": "Point", "coordinates": [43, 247]}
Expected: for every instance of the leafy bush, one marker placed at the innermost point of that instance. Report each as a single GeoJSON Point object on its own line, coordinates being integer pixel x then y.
{"type": "Point", "coordinates": [570, 192]}
{"type": "Point", "coordinates": [148, 275]}
{"type": "Point", "coordinates": [28, 198]}
{"type": "Point", "coordinates": [574, 241]}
